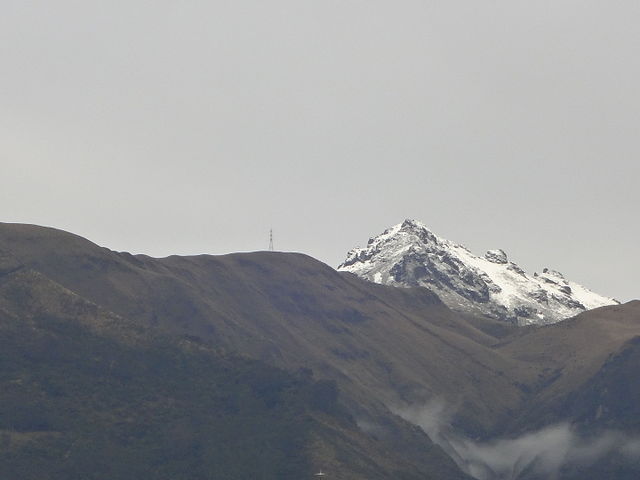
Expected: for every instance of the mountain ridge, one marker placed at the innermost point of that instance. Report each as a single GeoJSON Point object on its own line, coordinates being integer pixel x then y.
{"type": "Point", "coordinates": [388, 349]}
{"type": "Point", "coordinates": [409, 254]}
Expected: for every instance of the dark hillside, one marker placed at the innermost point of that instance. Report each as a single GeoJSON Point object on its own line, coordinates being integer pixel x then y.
{"type": "Point", "coordinates": [387, 349]}
{"type": "Point", "coordinates": [384, 346]}
{"type": "Point", "coordinates": [87, 394]}
{"type": "Point", "coordinates": [570, 356]}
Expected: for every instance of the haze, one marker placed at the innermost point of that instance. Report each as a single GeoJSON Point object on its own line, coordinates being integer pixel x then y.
{"type": "Point", "coordinates": [194, 127]}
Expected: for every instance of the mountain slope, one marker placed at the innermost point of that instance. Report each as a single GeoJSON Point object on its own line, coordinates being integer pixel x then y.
{"type": "Point", "coordinates": [570, 355]}
{"type": "Point", "coordinates": [88, 394]}
{"type": "Point", "coordinates": [387, 349]}
{"type": "Point", "coordinates": [379, 343]}
{"type": "Point", "coordinates": [408, 255]}
{"type": "Point", "coordinates": [220, 301]}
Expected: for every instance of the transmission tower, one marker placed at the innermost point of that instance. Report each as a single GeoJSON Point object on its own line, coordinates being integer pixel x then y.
{"type": "Point", "coordinates": [271, 240]}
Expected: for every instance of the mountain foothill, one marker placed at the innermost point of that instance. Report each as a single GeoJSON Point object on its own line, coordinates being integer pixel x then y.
{"type": "Point", "coordinates": [274, 365]}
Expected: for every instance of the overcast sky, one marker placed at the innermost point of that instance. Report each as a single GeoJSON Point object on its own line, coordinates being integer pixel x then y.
{"type": "Point", "coordinates": [165, 127]}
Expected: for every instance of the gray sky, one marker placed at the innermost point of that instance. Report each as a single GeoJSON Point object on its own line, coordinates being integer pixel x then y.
{"type": "Point", "coordinates": [166, 127]}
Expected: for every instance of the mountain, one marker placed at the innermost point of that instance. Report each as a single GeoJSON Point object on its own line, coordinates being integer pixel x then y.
{"type": "Point", "coordinates": [384, 346]}
{"type": "Point", "coordinates": [490, 397]}
{"type": "Point", "coordinates": [285, 311]}
{"type": "Point", "coordinates": [590, 353]}
{"type": "Point", "coordinates": [88, 394]}
{"type": "Point", "coordinates": [410, 255]}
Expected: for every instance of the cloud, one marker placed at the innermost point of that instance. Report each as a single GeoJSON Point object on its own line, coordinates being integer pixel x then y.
{"type": "Point", "coordinates": [434, 417]}
{"type": "Point", "coordinates": [632, 449]}
{"type": "Point", "coordinates": [542, 452]}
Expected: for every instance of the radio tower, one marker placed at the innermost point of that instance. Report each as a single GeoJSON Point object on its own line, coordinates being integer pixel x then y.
{"type": "Point", "coordinates": [271, 240]}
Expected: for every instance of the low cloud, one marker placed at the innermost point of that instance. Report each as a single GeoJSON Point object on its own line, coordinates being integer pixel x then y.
{"type": "Point", "coordinates": [434, 417]}
{"type": "Point", "coordinates": [543, 452]}
{"type": "Point", "coordinates": [632, 449]}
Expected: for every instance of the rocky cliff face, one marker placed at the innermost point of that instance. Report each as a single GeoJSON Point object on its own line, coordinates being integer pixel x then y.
{"type": "Point", "coordinates": [410, 255]}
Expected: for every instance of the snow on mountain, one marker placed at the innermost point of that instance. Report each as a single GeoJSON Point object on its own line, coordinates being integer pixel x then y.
{"type": "Point", "coordinates": [410, 255]}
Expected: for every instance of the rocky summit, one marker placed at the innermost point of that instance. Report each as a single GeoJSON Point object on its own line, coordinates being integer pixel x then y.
{"type": "Point", "coordinates": [410, 255]}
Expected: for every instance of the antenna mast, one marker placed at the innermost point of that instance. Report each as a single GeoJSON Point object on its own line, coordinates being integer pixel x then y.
{"type": "Point", "coordinates": [271, 240]}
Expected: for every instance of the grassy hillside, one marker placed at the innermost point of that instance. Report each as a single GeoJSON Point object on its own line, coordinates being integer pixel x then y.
{"type": "Point", "coordinates": [568, 357]}
{"type": "Point", "coordinates": [386, 349]}
{"type": "Point", "coordinates": [87, 394]}
{"type": "Point", "coordinates": [80, 402]}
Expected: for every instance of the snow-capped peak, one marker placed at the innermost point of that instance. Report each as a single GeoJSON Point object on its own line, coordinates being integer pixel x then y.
{"type": "Point", "coordinates": [409, 255]}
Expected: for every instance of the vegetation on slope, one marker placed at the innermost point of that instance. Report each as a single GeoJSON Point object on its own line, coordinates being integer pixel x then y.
{"type": "Point", "coordinates": [96, 403]}
{"type": "Point", "coordinates": [85, 393]}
